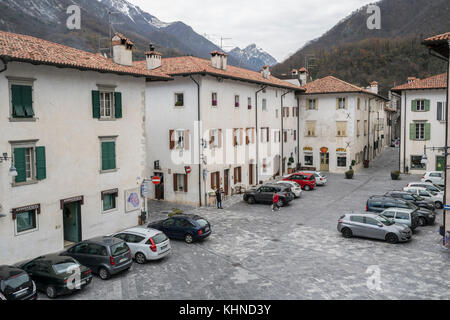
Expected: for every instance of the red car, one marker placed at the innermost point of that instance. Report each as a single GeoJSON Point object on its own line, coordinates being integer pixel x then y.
{"type": "Point", "coordinates": [306, 180]}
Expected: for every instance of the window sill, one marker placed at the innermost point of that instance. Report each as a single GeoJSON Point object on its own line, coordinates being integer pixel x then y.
{"type": "Point", "coordinates": [107, 119]}
{"type": "Point", "coordinates": [22, 119]}
{"type": "Point", "coordinates": [110, 211]}
{"type": "Point", "coordinates": [109, 171]}
{"type": "Point", "coordinates": [22, 233]}
{"type": "Point", "coordinates": [20, 184]}
{"type": "Point", "coordinates": [180, 192]}
{"type": "Point", "coordinates": [179, 107]}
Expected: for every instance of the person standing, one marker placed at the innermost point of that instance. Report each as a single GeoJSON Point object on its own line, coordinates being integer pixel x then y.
{"type": "Point", "coordinates": [276, 201]}
{"type": "Point", "coordinates": [219, 198]}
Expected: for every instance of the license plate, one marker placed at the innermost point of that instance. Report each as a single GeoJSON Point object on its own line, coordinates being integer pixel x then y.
{"type": "Point", "coordinates": [20, 293]}
{"type": "Point", "coordinates": [123, 260]}
{"type": "Point", "coordinates": [164, 248]}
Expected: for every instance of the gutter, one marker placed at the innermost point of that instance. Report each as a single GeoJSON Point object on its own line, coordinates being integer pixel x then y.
{"type": "Point", "coordinates": [200, 150]}
{"type": "Point", "coordinates": [256, 134]}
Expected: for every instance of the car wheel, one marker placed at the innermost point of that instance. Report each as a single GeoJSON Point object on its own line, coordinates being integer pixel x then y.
{"type": "Point", "coordinates": [422, 222]}
{"type": "Point", "coordinates": [251, 200]}
{"type": "Point", "coordinates": [347, 233]}
{"type": "Point", "coordinates": [140, 258]}
{"type": "Point", "coordinates": [104, 274]}
{"type": "Point", "coordinates": [51, 292]}
{"type": "Point", "coordinates": [188, 238]}
{"type": "Point", "coordinates": [307, 188]}
{"type": "Point", "coordinates": [391, 238]}
{"type": "Point", "coordinates": [439, 205]}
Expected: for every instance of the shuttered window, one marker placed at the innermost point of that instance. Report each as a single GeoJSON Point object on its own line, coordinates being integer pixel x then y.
{"type": "Point", "coordinates": [441, 111]}
{"type": "Point", "coordinates": [341, 127]}
{"type": "Point", "coordinates": [30, 164]}
{"type": "Point", "coordinates": [106, 104]}
{"type": "Point", "coordinates": [180, 183]}
{"type": "Point", "coordinates": [420, 131]}
{"type": "Point", "coordinates": [420, 105]}
{"type": "Point", "coordinates": [22, 101]}
{"type": "Point", "coordinates": [108, 155]}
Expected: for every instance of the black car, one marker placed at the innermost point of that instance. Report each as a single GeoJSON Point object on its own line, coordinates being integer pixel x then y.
{"type": "Point", "coordinates": [16, 284]}
{"type": "Point", "coordinates": [57, 275]}
{"type": "Point", "coordinates": [264, 194]}
{"type": "Point", "coordinates": [185, 227]}
{"type": "Point", "coordinates": [380, 203]}
{"type": "Point", "coordinates": [413, 198]}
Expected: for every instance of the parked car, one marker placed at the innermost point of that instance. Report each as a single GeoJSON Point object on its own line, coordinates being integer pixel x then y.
{"type": "Point", "coordinates": [106, 256]}
{"type": "Point", "coordinates": [185, 227]}
{"type": "Point", "coordinates": [16, 284]}
{"type": "Point", "coordinates": [436, 177]}
{"type": "Point", "coordinates": [373, 226]}
{"type": "Point", "coordinates": [427, 185]}
{"type": "Point", "coordinates": [407, 217]}
{"type": "Point", "coordinates": [321, 179]}
{"type": "Point", "coordinates": [434, 197]}
{"type": "Point", "coordinates": [145, 243]}
{"type": "Point", "coordinates": [378, 204]}
{"type": "Point", "coordinates": [295, 187]}
{"type": "Point", "coordinates": [413, 198]}
{"type": "Point", "coordinates": [306, 180]}
{"type": "Point", "coordinates": [264, 194]}
{"type": "Point", "coordinates": [53, 273]}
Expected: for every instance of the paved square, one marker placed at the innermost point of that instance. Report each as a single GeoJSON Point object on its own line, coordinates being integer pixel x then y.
{"type": "Point", "coordinates": [255, 254]}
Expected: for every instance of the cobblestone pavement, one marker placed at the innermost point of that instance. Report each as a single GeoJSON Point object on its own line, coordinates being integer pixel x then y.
{"type": "Point", "coordinates": [295, 254]}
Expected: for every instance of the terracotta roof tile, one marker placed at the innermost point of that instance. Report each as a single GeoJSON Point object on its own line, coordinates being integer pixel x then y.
{"type": "Point", "coordinates": [25, 48]}
{"type": "Point", "coordinates": [435, 82]}
{"type": "Point", "coordinates": [439, 37]}
{"type": "Point", "coordinates": [193, 65]}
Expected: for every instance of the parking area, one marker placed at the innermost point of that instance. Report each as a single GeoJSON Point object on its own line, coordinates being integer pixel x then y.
{"type": "Point", "coordinates": [297, 253]}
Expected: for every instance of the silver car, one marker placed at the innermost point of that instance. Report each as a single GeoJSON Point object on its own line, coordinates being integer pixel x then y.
{"type": "Point", "coordinates": [373, 226]}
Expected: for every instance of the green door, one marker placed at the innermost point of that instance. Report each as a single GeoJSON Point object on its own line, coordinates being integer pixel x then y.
{"type": "Point", "coordinates": [72, 222]}
{"type": "Point", "coordinates": [440, 163]}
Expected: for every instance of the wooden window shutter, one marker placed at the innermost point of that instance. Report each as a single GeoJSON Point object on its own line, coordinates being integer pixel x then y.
{"type": "Point", "coordinates": [295, 135]}
{"type": "Point", "coordinates": [253, 135]}
{"type": "Point", "coordinates": [234, 137]}
{"type": "Point", "coordinates": [96, 104]}
{"type": "Point", "coordinates": [287, 112]}
{"type": "Point", "coordinates": [346, 103]}
{"type": "Point", "coordinates": [414, 105]}
{"type": "Point", "coordinates": [27, 99]}
{"type": "Point", "coordinates": [186, 183]}
{"type": "Point", "coordinates": [412, 131]}
{"type": "Point", "coordinates": [175, 182]}
{"type": "Point", "coordinates": [241, 136]}
{"type": "Point", "coordinates": [427, 105]}
{"type": "Point", "coordinates": [19, 163]}
{"type": "Point", "coordinates": [41, 171]}
{"type": "Point", "coordinates": [118, 105]}
{"type": "Point", "coordinates": [285, 136]}
{"type": "Point", "coordinates": [427, 131]}
{"type": "Point", "coordinates": [18, 108]}
{"type": "Point", "coordinates": [172, 139]}
{"type": "Point", "coordinates": [316, 104]}
{"type": "Point", "coordinates": [268, 134]}
{"type": "Point", "coordinates": [337, 103]}
{"type": "Point", "coordinates": [219, 143]}
{"type": "Point", "coordinates": [439, 111]}
{"type": "Point", "coordinates": [247, 136]}
{"type": "Point", "coordinates": [186, 139]}
{"type": "Point", "coordinates": [211, 138]}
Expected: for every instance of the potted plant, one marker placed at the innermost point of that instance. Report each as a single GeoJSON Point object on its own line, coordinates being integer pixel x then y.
{"type": "Point", "coordinates": [349, 174]}
{"type": "Point", "coordinates": [395, 175]}
{"type": "Point", "coordinates": [353, 163]}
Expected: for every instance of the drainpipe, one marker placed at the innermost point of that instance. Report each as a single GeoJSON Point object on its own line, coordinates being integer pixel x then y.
{"type": "Point", "coordinates": [404, 136]}
{"type": "Point", "coordinates": [5, 67]}
{"type": "Point", "coordinates": [257, 135]}
{"type": "Point", "coordinates": [368, 132]}
{"type": "Point", "coordinates": [199, 144]}
{"type": "Point", "coordinates": [282, 134]}
{"type": "Point", "coordinates": [298, 131]}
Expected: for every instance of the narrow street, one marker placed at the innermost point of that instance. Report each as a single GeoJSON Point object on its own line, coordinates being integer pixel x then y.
{"type": "Point", "coordinates": [255, 254]}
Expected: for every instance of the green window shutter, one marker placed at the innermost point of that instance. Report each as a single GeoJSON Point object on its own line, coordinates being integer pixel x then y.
{"type": "Point", "coordinates": [27, 99]}
{"type": "Point", "coordinates": [108, 155]}
{"type": "Point", "coordinates": [105, 156]}
{"type": "Point", "coordinates": [412, 131]}
{"type": "Point", "coordinates": [427, 131]}
{"type": "Point", "coordinates": [414, 105]}
{"type": "Point", "coordinates": [112, 155]}
{"type": "Point", "coordinates": [18, 108]}
{"type": "Point", "coordinates": [19, 163]}
{"type": "Point", "coordinates": [96, 104]}
{"type": "Point", "coordinates": [427, 105]}
{"type": "Point", "coordinates": [41, 168]}
{"type": "Point", "coordinates": [118, 105]}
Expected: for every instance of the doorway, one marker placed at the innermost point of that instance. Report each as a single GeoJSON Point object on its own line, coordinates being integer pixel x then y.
{"type": "Point", "coordinates": [159, 189]}
{"type": "Point", "coordinates": [226, 175]}
{"type": "Point", "coordinates": [250, 175]}
{"type": "Point", "coordinates": [72, 223]}
{"type": "Point", "coordinates": [324, 161]}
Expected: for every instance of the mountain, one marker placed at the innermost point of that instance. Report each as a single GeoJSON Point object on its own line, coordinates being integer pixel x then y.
{"type": "Point", "coordinates": [354, 53]}
{"type": "Point", "coordinates": [253, 56]}
{"type": "Point", "coordinates": [47, 19]}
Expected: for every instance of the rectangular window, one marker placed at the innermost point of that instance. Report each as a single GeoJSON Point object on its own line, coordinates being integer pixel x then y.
{"type": "Point", "coordinates": [341, 127]}
{"type": "Point", "coordinates": [29, 162]}
{"type": "Point", "coordinates": [420, 131]}
{"type": "Point", "coordinates": [26, 221]}
{"type": "Point", "coordinates": [22, 101]}
{"type": "Point", "coordinates": [236, 101]}
{"type": "Point", "coordinates": [264, 104]}
{"type": "Point", "coordinates": [237, 175]}
{"type": "Point", "coordinates": [249, 103]}
{"type": "Point", "coordinates": [109, 202]}
{"type": "Point", "coordinates": [106, 104]}
{"type": "Point", "coordinates": [416, 162]}
{"type": "Point", "coordinates": [441, 111]}
{"type": "Point", "coordinates": [309, 160]}
{"type": "Point", "coordinates": [312, 104]}
{"type": "Point", "coordinates": [341, 103]}
{"type": "Point", "coordinates": [359, 103]}
{"type": "Point", "coordinates": [365, 127]}
{"type": "Point", "coordinates": [420, 105]}
{"type": "Point", "coordinates": [214, 99]}
{"type": "Point", "coordinates": [310, 128]}
{"type": "Point", "coordinates": [341, 161]}
{"type": "Point", "coordinates": [179, 99]}
{"type": "Point", "coordinates": [108, 155]}
{"type": "Point", "coordinates": [179, 139]}
{"type": "Point", "coordinates": [358, 127]}
{"type": "Point", "coordinates": [180, 183]}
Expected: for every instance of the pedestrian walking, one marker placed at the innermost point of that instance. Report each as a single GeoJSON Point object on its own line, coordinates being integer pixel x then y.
{"type": "Point", "coordinates": [219, 198]}
{"type": "Point", "coordinates": [276, 201]}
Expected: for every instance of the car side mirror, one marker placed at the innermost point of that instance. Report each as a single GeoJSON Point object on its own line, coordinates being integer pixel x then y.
{"type": "Point", "coordinates": [380, 225]}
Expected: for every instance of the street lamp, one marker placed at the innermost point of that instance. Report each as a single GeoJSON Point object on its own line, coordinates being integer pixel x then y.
{"type": "Point", "coordinates": [12, 170]}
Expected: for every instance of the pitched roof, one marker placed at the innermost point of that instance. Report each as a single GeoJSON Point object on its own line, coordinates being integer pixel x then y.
{"type": "Point", "coordinates": [192, 65]}
{"type": "Point", "coordinates": [332, 84]}
{"type": "Point", "coordinates": [18, 47]}
{"type": "Point", "coordinates": [439, 37]}
{"type": "Point", "coordinates": [439, 43]}
{"type": "Point", "coordinates": [435, 82]}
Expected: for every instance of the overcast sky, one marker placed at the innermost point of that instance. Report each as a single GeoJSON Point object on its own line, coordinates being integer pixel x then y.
{"type": "Point", "coordinates": [280, 27]}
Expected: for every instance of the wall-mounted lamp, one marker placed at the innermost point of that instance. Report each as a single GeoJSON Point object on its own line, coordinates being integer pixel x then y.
{"type": "Point", "coordinates": [12, 169]}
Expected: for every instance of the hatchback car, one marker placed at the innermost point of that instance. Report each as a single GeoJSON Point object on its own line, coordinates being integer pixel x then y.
{"type": "Point", "coordinates": [434, 197]}
{"type": "Point", "coordinates": [321, 179]}
{"type": "Point", "coordinates": [407, 217]}
{"type": "Point", "coordinates": [306, 180]}
{"type": "Point", "coordinates": [56, 275]}
{"type": "Point", "coordinates": [185, 227]}
{"type": "Point", "coordinates": [436, 177]}
{"type": "Point", "coordinates": [412, 198]}
{"type": "Point", "coordinates": [264, 194]}
{"type": "Point", "coordinates": [16, 284]}
{"type": "Point", "coordinates": [373, 226]}
{"type": "Point", "coordinates": [295, 187]}
{"type": "Point", "coordinates": [106, 256]}
{"type": "Point", "coordinates": [427, 185]}
{"type": "Point", "coordinates": [145, 243]}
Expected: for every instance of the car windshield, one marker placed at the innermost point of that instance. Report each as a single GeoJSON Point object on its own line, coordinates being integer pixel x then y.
{"type": "Point", "coordinates": [202, 222]}
{"type": "Point", "coordinates": [385, 221]}
{"type": "Point", "coordinates": [416, 197]}
{"type": "Point", "coordinates": [119, 249]}
{"type": "Point", "coordinates": [14, 282]}
{"type": "Point", "coordinates": [432, 193]}
{"type": "Point", "coordinates": [65, 267]}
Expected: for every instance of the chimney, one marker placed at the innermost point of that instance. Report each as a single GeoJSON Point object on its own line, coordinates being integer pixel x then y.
{"type": "Point", "coordinates": [122, 50]}
{"type": "Point", "coordinates": [294, 72]}
{"type": "Point", "coordinates": [374, 87]}
{"type": "Point", "coordinates": [219, 60]}
{"type": "Point", "coordinates": [411, 79]}
{"type": "Point", "coordinates": [153, 58]}
{"type": "Point", "coordinates": [303, 76]}
{"type": "Point", "coordinates": [265, 72]}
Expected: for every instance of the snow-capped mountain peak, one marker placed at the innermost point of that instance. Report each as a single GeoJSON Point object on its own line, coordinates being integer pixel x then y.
{"type": "Point", "coordinates": [254, 56]}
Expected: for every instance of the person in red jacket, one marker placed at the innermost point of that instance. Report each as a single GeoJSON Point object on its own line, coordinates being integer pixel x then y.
{"type": "Point", "coordinates": [276, 201]}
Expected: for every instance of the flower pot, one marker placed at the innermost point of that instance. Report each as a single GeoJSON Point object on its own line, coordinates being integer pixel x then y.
{"type": "Point", "coordinates": [349, 174]}
{"type": "Point", "coordinates": [395, 175]}
{"type": "Point", "coordinates": [366, 163]}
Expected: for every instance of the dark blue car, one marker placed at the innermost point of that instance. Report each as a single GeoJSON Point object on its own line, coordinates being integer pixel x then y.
{"type": "Point", "coordinates": [189, 228]}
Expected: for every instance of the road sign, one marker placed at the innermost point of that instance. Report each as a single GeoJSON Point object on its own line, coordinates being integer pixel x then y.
{"type": "Point", "coordinates": [188, 169]}
{"type": "Point", "coordinates": [447, 207]}
{"type": "Point", "coordinates": [156, 180]}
